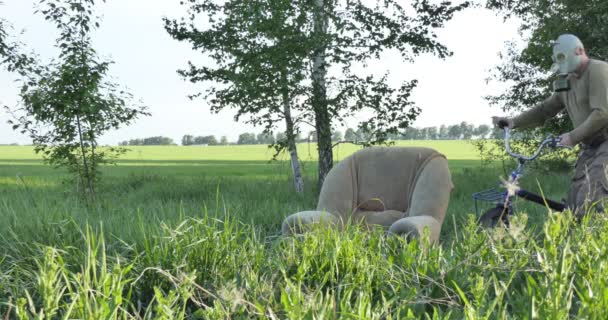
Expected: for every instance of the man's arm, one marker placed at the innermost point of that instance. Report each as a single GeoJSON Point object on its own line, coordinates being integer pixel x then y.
{"type": "Point", "coordinates": [539, 113]}
{"type": "Point", "coordinates": [598, 100]}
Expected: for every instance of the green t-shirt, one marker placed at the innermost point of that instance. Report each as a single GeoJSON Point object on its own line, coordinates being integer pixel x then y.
{"type": "Point", "coordinates": [586, 103]}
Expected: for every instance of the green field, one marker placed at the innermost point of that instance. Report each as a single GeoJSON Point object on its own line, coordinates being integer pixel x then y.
{"type": "Point", "coordinates": [454, 149]}
{"type": "Point", "coordinates": [194, 231]}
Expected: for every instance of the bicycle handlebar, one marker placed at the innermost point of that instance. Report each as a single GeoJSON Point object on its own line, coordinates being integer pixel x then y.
{"type": "Point", "coordinates": [553, 142]}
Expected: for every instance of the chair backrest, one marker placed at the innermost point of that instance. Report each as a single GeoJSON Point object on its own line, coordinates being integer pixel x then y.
{"type": "Point", "coordinates": [386, 176]}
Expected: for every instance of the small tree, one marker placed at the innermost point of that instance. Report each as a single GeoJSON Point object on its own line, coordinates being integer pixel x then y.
{"type": "Point", "coordinates": [336, 136]}
{"type": "Point", "coordinates": [455, 132]}
{"type": "Point", "coordinates": [68, 104]}
{"type": "Point", "coordinates": [265, 138]}
{"type": "Point", "coordinates": [432, 131]}
{"type": "Point", "coordinates": [208, 140]}
{"type": "Point", "coordinates": [482, 131]}
{"type": "Point", "coordinates": [467, 130]}
{"type": "Point", "coordinates": [187, 140]}
{"type": "Point", "coordinates": [443, 132]}
{"type": "Point", "coordinates": [363, 134]}
{"type": "Point", "coordinates": [350, 135]}
{"type": "Point", "coordinates": [224, 140]}
{"type": "Point", "coordinates": [155, 141]}
{"type": "Point", "coordinates": [281, 136]}
{"type": "Point", "coordinates": [423, 134]}
{"type": "Point", "coordinates": [246, 138]}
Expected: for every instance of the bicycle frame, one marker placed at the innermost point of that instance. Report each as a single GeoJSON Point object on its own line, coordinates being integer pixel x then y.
{"type": "Point", "coordinates": [552, 142]}
{"type": "Point", "coordinates": [504, 206]}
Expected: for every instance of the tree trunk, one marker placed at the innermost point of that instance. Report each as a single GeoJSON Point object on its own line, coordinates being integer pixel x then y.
{"type": "Point", "coordinates": [319, 99]}
{"type": "Point", "coordinates": [89, 183]}
{"type": "Point", "coordinates": [87, 168]}
{"type": "Point", "coordinates": [291, 137]}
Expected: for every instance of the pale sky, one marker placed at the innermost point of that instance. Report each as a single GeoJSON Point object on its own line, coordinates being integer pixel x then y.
{"type": "Point", "coordinates": [146, 60]}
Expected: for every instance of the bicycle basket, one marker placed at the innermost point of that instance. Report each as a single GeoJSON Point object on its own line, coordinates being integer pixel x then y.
{"type": "Point", "coordinates": [487, 198]}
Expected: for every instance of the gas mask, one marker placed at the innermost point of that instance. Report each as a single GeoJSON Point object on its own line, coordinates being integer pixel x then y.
{"type": "Point", "coordinates": [565, 60]}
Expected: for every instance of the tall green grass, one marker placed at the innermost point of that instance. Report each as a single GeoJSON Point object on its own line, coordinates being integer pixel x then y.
{"type": "Point", "coordinates": [199, 238]}
{"type": "Point", "coordinates": [217, 269]}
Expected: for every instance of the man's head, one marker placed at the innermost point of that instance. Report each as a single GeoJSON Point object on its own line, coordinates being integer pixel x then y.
{"type": "Point", "coordinates": [568, 54]}
{"type": "Point", "coordinates": [569, 57]}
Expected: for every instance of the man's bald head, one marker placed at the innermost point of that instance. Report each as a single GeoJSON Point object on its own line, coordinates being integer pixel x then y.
{"type": "Point", "coordinates": [568, 41]}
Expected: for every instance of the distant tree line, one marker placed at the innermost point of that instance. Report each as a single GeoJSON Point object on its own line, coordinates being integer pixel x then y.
{"type": "Point", "coordinates": [264, 138]}
{"type": "Point", "coordinates": [211, 140]}
{"type": "Point", "coordinates": [151, 141]}
{"type": "Point", "coordinates": [461, 131]}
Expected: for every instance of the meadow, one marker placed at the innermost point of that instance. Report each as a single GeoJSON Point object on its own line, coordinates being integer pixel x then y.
{"type": "Point", "coordinates": [194, 232]}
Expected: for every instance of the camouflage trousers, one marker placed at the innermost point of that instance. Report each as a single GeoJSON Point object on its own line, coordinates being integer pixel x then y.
{"type": "Point", "coordinates": [589, 184]}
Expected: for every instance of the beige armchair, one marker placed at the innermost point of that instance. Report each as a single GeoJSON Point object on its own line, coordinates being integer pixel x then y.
{"type": "Point", "coordinates": [403, 189]}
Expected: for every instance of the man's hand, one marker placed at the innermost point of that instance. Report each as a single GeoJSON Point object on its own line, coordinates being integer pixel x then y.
{"type": "Point", "coordinates": [565, 141]}
{"type": "Point", "coordinates": [502, 122]}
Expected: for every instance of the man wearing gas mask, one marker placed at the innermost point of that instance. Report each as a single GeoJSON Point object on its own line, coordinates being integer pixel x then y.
{"type": "Point", "coordinates": [581, 88]}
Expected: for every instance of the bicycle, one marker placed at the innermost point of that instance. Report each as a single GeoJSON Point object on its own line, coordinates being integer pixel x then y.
{"type": "Point", "coordinates": [504, 199]}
